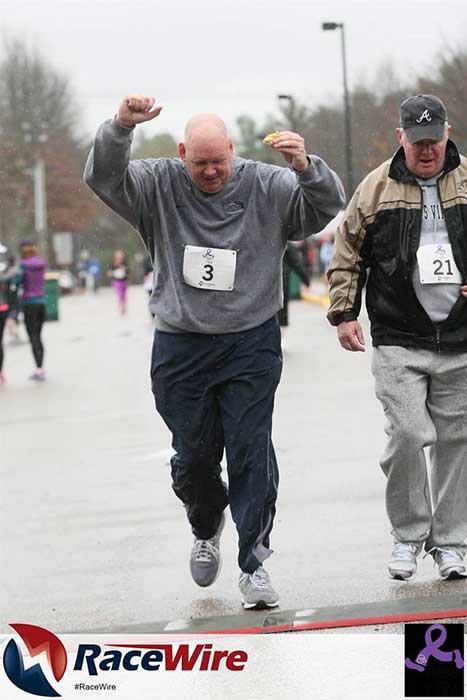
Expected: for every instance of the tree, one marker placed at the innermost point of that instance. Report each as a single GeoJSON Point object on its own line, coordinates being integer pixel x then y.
{"type": "Point", "coordinates": [38, 121]}
{"type": "Point", "coordinates": [159, 146]}
{"type": "Point", "coordinates": [447, 81]}
{"type": "Point", "coordinates": [250, 144]}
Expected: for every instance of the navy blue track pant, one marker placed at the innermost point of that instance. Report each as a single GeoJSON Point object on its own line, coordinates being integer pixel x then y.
{"type": "Point", "coordinates": [216, 392]}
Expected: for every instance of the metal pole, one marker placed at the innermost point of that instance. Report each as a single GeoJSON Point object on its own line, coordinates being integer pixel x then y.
{"type": "Point", "coordinates": [32, 136]}
{"type": "Point", "coordinates": [348, 131]}
{"type": "Point", "coordinates": [291, 111]}
{"type": "Point", "coordinates": [40, 205]}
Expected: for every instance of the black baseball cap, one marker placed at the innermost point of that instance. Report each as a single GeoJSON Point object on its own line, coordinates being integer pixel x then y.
{"type": "Point", "coordinates": [423, 117]}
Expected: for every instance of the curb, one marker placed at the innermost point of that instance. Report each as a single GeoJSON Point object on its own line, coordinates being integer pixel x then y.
{"type": "Point", "coordinates": [378, 612]}
{"type": "Point", "coordinates": [320, 299]}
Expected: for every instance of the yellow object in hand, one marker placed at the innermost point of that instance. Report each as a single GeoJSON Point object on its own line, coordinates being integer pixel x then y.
{"type": "Point", "coordinates": [269, 139]}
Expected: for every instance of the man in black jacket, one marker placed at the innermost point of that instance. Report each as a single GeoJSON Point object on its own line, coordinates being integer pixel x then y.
{"type": "Point", "coordinates": [405, 234]}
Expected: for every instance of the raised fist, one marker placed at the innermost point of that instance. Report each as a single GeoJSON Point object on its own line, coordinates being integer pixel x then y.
{"type": "Point", "coordinates": [136, 109]}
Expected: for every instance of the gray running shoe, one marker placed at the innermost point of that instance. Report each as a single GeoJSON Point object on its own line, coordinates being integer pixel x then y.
{"type": "Point", "coordinates": [403, 562]}
{"type": "Point", "coordinates": [205, 560]}
{"type": "Point", "coordinates": [451, 564]}
{"type": "Point", "coordinates": [257, 590]}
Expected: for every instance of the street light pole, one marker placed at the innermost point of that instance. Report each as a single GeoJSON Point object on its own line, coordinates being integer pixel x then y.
{"type": "Point", "coordinates": [40, 205]}
{"type": "Point", "coordinates": [331, 26]}
{"type": "Point", "coordinates": [40, 196]}
{"type": "Point", "coordinates": [291, 115]}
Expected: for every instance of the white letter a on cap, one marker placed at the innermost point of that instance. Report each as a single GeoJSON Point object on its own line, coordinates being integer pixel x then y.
{"type": "Point", "coordinates": [426, 115]}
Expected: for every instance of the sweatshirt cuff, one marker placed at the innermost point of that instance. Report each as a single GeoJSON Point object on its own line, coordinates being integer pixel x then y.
{"type": "Point", "coordinates": [120, 128]}
{"type": "Point", "coordinates": [337, 317]}
{"type": "Point", "coordinates": [309, 173]}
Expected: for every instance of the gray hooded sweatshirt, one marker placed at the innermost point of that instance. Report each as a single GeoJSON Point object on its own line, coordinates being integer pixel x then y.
{"type": "Point", "coordinates": [258, 210]}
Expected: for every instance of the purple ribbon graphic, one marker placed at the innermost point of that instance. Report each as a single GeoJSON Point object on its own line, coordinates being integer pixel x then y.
{"type": "Point", "coordinates": [432, 648]}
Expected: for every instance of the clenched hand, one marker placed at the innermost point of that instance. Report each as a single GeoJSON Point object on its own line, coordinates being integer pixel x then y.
{"type": "Point", "coordinates": [136, 109]}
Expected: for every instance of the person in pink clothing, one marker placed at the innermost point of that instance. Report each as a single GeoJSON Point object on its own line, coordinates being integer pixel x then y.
{"type": "Point", "coordinates": [33, 268]}
{"type": "Point", "coordinates": [119, 274]}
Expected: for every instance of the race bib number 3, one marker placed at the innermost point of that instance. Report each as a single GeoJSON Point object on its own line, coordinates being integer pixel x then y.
{"type": "Point", "coordinates": [209, 268]}
{"type": "Point", "coordinates": [437, 265]}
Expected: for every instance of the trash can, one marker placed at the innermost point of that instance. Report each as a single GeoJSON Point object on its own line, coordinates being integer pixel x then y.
{"type": "Point", "coordinates": [52, 291]}
{"type": "Point", "coordinates": [294, 285]}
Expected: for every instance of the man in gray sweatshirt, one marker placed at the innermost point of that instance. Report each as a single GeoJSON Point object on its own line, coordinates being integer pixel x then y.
{"type": "Point", "coordinates": [216, 227]}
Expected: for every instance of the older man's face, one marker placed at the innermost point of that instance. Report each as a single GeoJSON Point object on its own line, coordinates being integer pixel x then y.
{"type": "Point", "coordinates": [424, 158]}
{"type": "Point", "coordinates": [208, 161]}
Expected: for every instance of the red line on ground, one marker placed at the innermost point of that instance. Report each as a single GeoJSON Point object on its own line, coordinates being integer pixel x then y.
{"type": "Point", "coordinates": [383, 619]}
{"type": "Point", "coordinates": [297, 626]}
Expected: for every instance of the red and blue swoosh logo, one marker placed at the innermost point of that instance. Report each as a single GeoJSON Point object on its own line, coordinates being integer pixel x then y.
{"type": "Point", "coordinates": [32, 680]}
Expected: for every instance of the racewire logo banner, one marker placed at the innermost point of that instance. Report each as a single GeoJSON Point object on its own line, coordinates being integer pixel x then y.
{"type": "Point", "coordinates": [32, 680]}
{"type": "Point", "coordinates": [95, 661]}
{"type": "Point", "coordinates": [434, 660]}
{"type": "Point", "coordinates": [152, 657]}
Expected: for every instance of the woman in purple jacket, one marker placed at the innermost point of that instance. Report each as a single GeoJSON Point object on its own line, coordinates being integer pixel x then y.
{"type": "Point", "coordinates": [33, 272]}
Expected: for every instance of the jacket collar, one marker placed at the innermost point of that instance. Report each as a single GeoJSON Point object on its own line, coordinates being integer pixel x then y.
{"type": "Point", "coordinates": [398, 169]}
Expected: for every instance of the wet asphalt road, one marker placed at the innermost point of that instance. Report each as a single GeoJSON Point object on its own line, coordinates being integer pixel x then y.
{"type": "Point", "coordinates": [92, 536]}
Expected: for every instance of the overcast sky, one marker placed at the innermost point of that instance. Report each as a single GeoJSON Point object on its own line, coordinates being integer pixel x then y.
{"type": "Point", "coordinates": [227, 56]}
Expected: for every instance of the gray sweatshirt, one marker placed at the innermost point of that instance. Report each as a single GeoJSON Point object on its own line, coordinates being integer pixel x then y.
{"type": "Point", "coordinates": [258, 210]}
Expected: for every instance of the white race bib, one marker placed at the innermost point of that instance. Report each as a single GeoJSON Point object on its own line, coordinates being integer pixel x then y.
{"type": "Point", "coordinates": [209, 268]}
{"type": "Point", "coordinates": [119, 273]}
{"type": "Point", "coordinates": [437, 265]}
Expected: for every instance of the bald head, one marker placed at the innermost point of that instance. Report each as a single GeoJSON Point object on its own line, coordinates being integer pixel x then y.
{"type": "Point", "coordinates": [207, 151]}
{"type": "Point", "coordinates": [205, 126]}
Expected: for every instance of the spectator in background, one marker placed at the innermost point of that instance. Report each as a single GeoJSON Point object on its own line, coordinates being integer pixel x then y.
{"type": "Point", "coordinates": [325, 253]}
{"type": "Point", "coordinates": [93, 271]}
{"type": "Point", "coordinates": [31, 278]}
{"type": "Point", "coordinates": [7, 271]}
{"type": "Point", "coordinates": [82, 269]}
{"type": "Point", "coordinates": [292, 260]}
{"type": "Point", "coordinates": [305, 248]}
{"type": "Point", "coordinates": [119, 274]}
{"type": "Point", "coordinates": [13, 301]}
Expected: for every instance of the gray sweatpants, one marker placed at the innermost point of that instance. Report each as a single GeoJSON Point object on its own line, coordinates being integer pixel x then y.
{"type": "Point", "coordinates": [424, 397]}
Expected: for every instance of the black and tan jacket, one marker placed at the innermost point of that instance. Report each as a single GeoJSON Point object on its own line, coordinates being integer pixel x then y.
{"type": "Point", "coordinates": [377, 242]}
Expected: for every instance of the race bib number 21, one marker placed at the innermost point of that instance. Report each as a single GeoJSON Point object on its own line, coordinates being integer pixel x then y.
{"type": "Point", "coordinates": [437, 265]}
{"type": "Point", "coordinates": [209, 268]}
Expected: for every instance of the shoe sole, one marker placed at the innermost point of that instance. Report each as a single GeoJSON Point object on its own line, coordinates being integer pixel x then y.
{"type": "Point", "coordinates": [454, 576]}
{"type": "Point", "coordinates": [400, 575]}
{"type": "Point", "coordinates": [260, 605]}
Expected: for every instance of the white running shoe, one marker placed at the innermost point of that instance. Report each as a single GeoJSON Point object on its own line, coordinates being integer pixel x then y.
{"type": "Point", "coordinates": [257, 590]}
{"type": "Point", "coordinates": [205, 559]}
{"type": "Point", "coordinates": [450, 563]}
{"type": "Point", "coordinates": [403, 563]}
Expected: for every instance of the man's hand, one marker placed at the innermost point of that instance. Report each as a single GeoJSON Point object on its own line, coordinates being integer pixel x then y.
{"type": "Point", "coordinates": [136, 109]}
{"type": "Point", "coordinates": [464, 290]}
{"type": "Point", "coordinates": [350, 336]}
{"type": "Point", "coordinates": [292, 147]}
